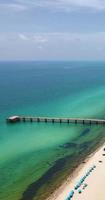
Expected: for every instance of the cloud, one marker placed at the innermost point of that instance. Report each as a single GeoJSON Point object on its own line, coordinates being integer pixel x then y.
{"type": "Point", "coordinates": [53, 37]}
{"type": "Point", "coordinates": [53, 5]}
{"type": "Point", "coordinates": [67, 5]}
{"type": "Point", "coordinates": [8, 7]}
{"type": "Point", "coordinates": [46, 37]}
{"type": "Point", "coordinates": [40, 39]}
{"type": "Point", "coordinates": [23, 36]}
{"type": "Point", "coordinates": [35, 38]}
{"type": "Point", "coordinates": [52, 45]}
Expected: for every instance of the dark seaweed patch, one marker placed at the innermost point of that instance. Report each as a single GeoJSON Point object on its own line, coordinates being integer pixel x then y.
{"type": "Point", "coordinates": [65, 165]}
{"type": "Point", "coordinates": [68, 145]}
{"type": "Point", "coordinates": [33, 188]}
{"type": "Point", "coordinates": [84, 146]}
{"type": "Point", "coordinates": [85, 132]}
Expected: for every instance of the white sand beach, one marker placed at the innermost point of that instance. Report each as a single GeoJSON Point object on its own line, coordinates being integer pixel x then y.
{"type": "Point", "coordinates": [95, 189]}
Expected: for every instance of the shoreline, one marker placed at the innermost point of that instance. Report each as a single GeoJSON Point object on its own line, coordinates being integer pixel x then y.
{"type": "Point", "coordinates": [63, 191]}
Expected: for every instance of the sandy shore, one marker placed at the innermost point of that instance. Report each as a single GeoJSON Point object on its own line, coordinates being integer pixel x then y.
{"type": "Point", "coordinates": [95, 189]}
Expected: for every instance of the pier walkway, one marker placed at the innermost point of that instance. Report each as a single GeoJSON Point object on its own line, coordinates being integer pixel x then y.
{"type": "Point", "coordinates": [55, 120]}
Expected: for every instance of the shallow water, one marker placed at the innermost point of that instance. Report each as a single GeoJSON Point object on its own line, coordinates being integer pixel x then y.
{"type": "Point", "coordinates": [41, 154]}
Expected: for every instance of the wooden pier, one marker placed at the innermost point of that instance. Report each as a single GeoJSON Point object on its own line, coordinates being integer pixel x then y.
{"type": "Point", "coordinates": [14, 119]}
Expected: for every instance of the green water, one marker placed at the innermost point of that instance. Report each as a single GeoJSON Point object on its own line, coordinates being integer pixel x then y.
{"type": "Point", "coordinates": [29, 151]}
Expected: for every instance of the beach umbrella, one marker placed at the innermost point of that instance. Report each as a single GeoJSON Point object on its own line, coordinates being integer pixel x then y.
{"type": "Point", "coordinates": [79, 184]}
{"type": "Point", "coordinates": [92, 168]}
{"type": "Point", "coordinates": [79, 191]}
{"type": "Point", "coordinates": [71, 194]}
{"type": "Point", "coordinates": [84, 177]}
{"type": "Point", "coordinates": [87, 174]}
{"type": "Point", "coordinates": [80, 181]}
{"type": "Point", "coordinates": [85, 185]}
{"type": "Point", "coordinates": [76, 187]}
{"type": "Point", "coordinates": [68, 198]}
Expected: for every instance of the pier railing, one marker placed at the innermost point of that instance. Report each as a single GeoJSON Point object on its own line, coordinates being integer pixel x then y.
{"type": "Point", "coordinates": [55, 120]}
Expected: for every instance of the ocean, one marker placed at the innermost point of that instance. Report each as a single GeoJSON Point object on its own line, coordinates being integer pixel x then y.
{"type": "Point", "coordinates": [35, 158]}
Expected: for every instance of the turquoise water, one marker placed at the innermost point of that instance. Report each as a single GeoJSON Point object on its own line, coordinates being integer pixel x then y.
{"type": "Point", "coordinates": [30, 151]}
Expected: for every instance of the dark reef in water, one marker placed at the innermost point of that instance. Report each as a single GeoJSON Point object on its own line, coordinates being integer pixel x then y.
{"type": "Point", "coordinates": [68, 145]}
{"type": "Point", "coordinates": [84, 147]}
{"type": "Point", "coordinates": [63, 167]}
{"type": "Point", "coordinates": [85, 132]}
{"type": "Point", "coordinates": [32, 189]}
{"type": "Point", "coordinates": [47, 179]}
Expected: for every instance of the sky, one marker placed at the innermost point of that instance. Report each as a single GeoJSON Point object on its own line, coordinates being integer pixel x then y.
{"type": "Point", "coordinates": [52, 29]}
